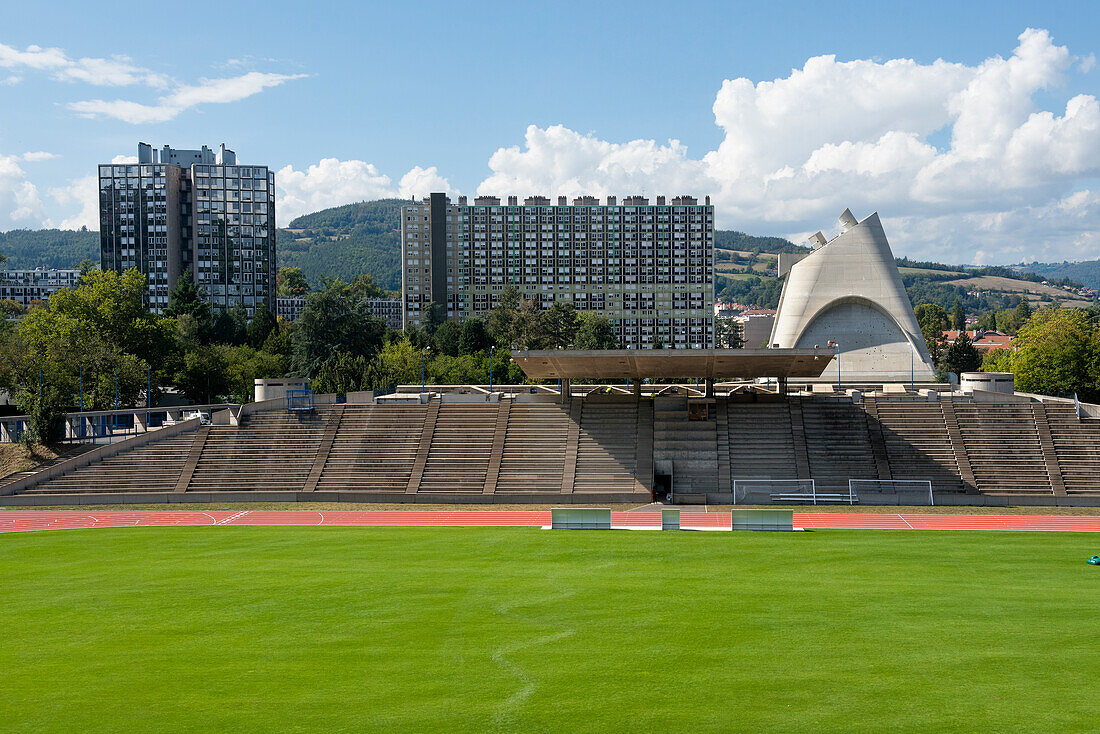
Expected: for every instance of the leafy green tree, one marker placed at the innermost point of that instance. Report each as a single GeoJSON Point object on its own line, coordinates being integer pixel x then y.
{"type": "Point", "coordinates": [261, 326]}
{"type": "Point", "coordinates": [398, 364]}
{"type": "Point", "coordinates": [243, 364]}
{"type": "Point", "coordinates": [334, 320]}
{"type": "Point", "coordinates": [291, 281]}
{"type": "Point", "coordinates": [446, 338]}
{"type": "Point", "coordinates": [999, 360]}
{"type": "Point", "coordinates": [278, 343]}
{"type": "Point", "coordinates": [364, 286]}
{"type": "Point", "coordinates": [8, 310]}
{"type": "Point", "coordinates": [102, 327]}
{"type": "Point", "coordinates": [225, 329]}
{"type": "Point", "coordinates": [501, 322]}
{"type": "Point", "coordinates": [958, 316]}
{"type": "Point", "coordinates": [961, 356]}
{"type": "Point", "coordinates": [187, 298]}
{"type": "Point", "coordinates": [1058, 354]}
{"type": "Point", "coordinates": [557, 326]}
{"type": "Point", "coordinates": [594, 331]}
{"type": "Point", "coordinates": [475, 337]}
{"type": "Point", "coordinates": [933, 320]}
{"type": "Point", "coordinates": [342, 373]}
{"type": "Point", "coordinates": [202, 375]}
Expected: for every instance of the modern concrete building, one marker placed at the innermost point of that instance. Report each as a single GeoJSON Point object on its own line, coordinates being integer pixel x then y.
{"type": "Point", "coordinates": [648, 267]}
{"type": "Point", "coordinates": [848, 293]}
{"type": "Point", "coordinates": [27, 287]}
{"type": "Point", "coordinates": [289, 307]}
{"type": "Point", "coordinates": [387, 309]}
{"type": "Point", "coordinates": [196, 210]}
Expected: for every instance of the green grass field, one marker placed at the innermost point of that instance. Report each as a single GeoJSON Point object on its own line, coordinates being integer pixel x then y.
{"type": "Point", "coordinates": [266, 629]}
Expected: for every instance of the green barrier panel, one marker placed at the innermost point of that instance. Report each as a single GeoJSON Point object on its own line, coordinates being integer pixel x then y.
{"type": "Point", "coordinates": [670, 519]}
{"type": "Point", "coordinates": [762, 519]}
{"type": "Point", "coordinates": [580, 518]}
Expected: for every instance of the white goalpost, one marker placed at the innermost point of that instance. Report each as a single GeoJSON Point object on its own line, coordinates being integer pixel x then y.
{"type": "Point", "coordinates": [892, 486]}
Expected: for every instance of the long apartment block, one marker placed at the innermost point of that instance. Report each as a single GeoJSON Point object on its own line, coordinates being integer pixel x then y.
{"type": "Point", "coordinates": [649, 268]}
{"type": "Point", "coordinates": [196, 210]}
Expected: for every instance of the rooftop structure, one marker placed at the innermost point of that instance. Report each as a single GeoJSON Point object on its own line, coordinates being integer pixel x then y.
{"type": "Point", "coordinates": [713, 364]}
{"type": "Point", "coordinates": [983, 341]}
{"type": "Point", "coordinates": [848, 294]}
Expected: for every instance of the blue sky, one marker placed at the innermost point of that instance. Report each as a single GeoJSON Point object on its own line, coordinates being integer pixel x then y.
{"type": "Point", "coordinates": [366, 99]}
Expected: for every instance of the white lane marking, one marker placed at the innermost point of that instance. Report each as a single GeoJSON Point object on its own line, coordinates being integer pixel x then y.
{"type": "Point", "coordinates": [231, 518]}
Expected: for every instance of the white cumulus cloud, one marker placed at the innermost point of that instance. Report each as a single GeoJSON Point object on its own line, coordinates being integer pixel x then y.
{"type": "Point", "coordinates": [80, 195]}
{"type": "Point", "coordinates": [20, 203]}
{"type": "Point", "coordinates": [116, 71]}
{"type": "Point", "coordinates": [207, 91]}
{"type": "Point", "coordinates": [799, 149]}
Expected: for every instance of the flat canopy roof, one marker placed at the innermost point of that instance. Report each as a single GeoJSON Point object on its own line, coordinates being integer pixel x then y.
{"type": "Point", "coordinates": [612, 364]}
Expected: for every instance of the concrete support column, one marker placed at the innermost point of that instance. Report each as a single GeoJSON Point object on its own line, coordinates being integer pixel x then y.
{"type": "Point", "coordinates": [636, 388]}
{"type": "Point", "coordinates": [139, 423]}
{"type": "Point", "coordinates": [5, 433]}
{"type": "Point", "coordinates": [782, 385]}
{"type": "Point", "coordinates": [709, 390]}
{"type": "Point", "coordinates": [565, 391]}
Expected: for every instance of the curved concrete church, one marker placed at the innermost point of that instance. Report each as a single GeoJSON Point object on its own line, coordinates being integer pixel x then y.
{"type": "Point", "coordinates": [848, 291]}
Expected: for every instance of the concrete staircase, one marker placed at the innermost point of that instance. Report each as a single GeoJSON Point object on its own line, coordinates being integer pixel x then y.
{"type": "Point", "coordinates": [607, 446]}
{"type": "Point", "coordinates": [374, 449]}
{"type": "Point", "coordinates": [918, 445]}
{"type": "Point", "coordinates": [153, 467]}
{"type": "Point", "coordinates": [1003, 447]}
{"type": "Point", "coordinates": [761, 445]}
{"type": "Point", "coordinates": [271, 451]}
{"type": "Point", "coordinates": [462, 442]}
{"type": "Point", "coordinates": [535, 448]}
{"type": "Point", "coordinates": [837, 443]}
{"type": "Point", "coordinates": [1077, 446]}
{"type": "Point", "coordinates": [690, 447]}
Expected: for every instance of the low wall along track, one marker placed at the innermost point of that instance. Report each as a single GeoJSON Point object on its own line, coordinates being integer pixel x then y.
{"type": "Point", "coordinates": [25, 520]}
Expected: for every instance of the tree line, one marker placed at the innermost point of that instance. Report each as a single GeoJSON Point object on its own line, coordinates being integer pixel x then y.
{"type": "Point", "coordinates": [96, 346]}
{"type": "Point", "coordinates": [1056, 350]}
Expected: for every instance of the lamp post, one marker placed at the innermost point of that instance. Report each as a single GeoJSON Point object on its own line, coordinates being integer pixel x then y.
{"type": "Point", "coordinates": [491, 350]}
{"type": "Point", "coordinates": [423, 381]}
{"type": "Point", "coordinates": [837, 345]}
{"type": "Point", "coordinates": [912, 367]}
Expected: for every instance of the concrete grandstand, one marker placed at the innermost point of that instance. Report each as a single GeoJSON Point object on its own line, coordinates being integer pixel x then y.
{"type": "Point", "coordinates": [629, 426]}
{"type": "Point", "coordinates": [601, 444]}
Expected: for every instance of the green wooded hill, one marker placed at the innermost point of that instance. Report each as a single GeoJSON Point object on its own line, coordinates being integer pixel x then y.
{"type": "Point", "coordinates": [345, 241]}
{"type": "Point", "coordinates": [1086, 272]}
{"type": "Point", "coordinates": [48, 248]}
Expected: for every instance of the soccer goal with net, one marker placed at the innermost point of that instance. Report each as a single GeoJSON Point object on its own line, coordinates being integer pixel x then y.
{"type": "Point", "coordinates": [918, 487]}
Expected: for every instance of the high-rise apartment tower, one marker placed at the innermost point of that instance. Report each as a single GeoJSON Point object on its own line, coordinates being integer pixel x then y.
{"type": "Point", "coordinates": [648, 267]}
{"type": "Point", "coordinates": [194, 210]}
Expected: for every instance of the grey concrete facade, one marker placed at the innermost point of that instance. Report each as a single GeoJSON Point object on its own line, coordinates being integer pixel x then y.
{"type": "Point", "coordinates": [848, 293]}
{"type": "Point", "coordinates": [193, 210]}
{"type": "Point", "coordinates": [649, 268]}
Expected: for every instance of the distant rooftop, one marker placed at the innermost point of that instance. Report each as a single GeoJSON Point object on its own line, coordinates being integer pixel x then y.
{"type": "Point", "coordinates": [186, 158]}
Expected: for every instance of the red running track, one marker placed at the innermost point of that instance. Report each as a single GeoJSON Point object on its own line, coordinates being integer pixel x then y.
{"type": "Point", "coordinates": [20, 520]}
